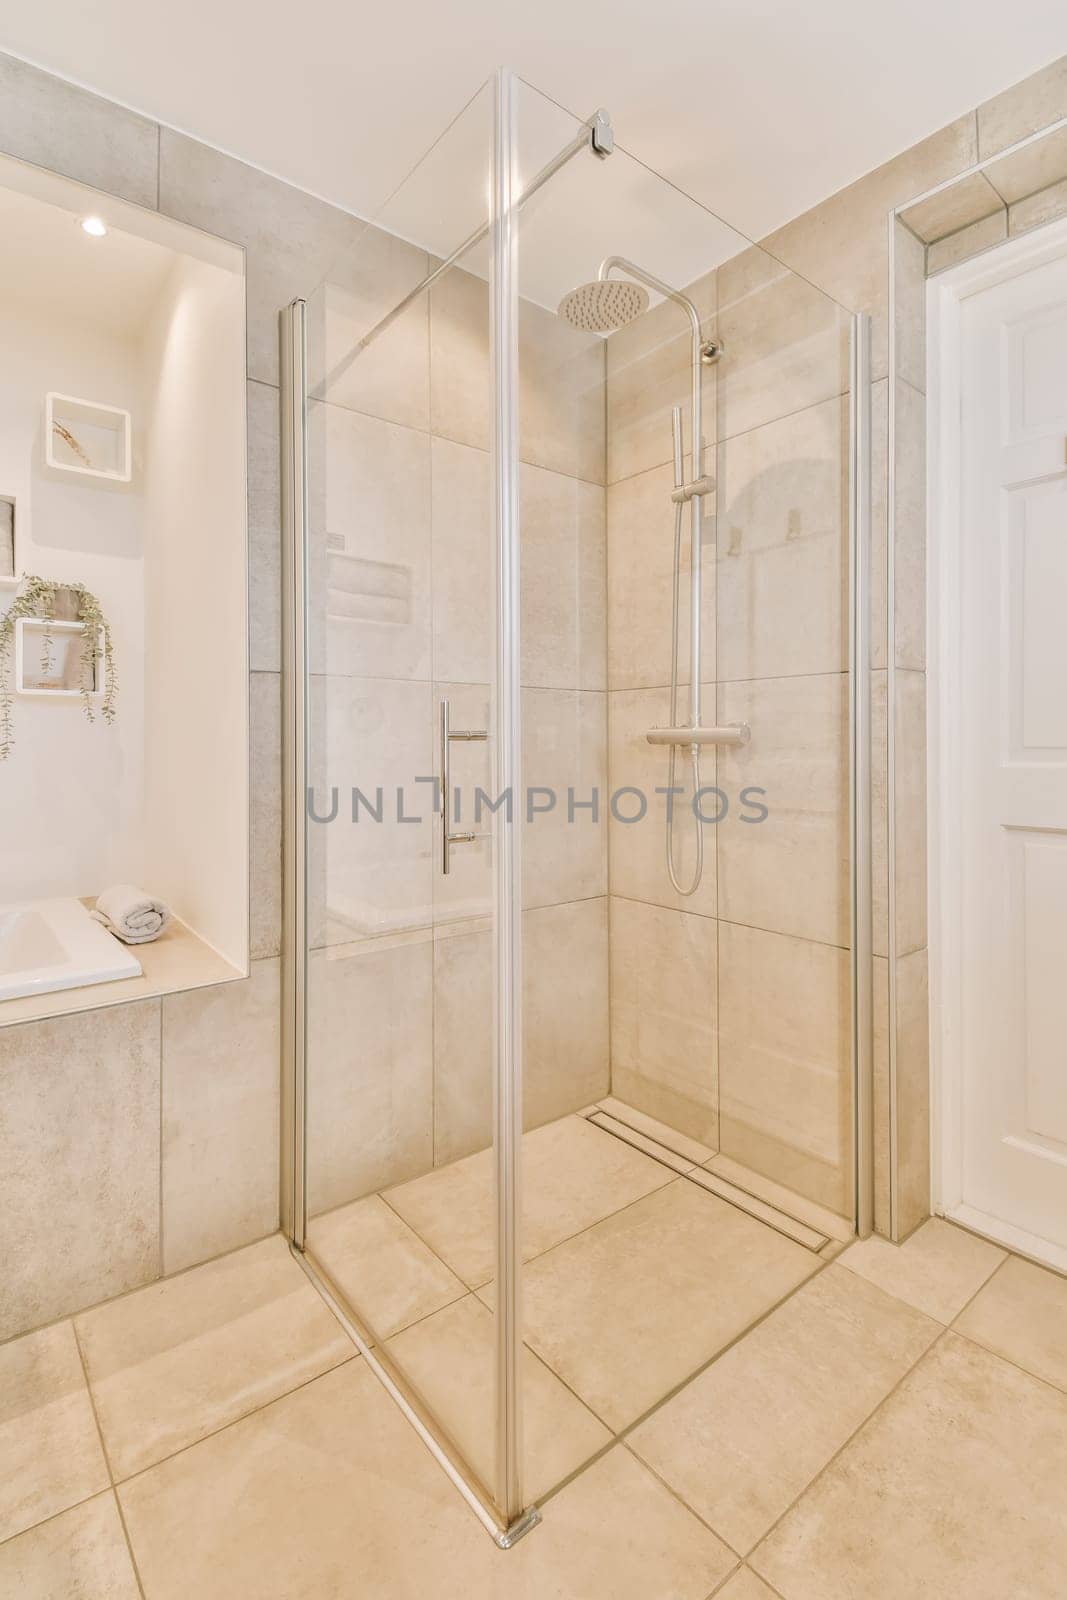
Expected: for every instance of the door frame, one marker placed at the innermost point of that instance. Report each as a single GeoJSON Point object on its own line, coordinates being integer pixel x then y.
{"type": "Point", "coordinates": [944, 296]}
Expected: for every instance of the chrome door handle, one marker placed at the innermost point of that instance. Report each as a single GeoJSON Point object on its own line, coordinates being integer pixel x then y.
{"type": "Point", "coordinates": [466, 735]}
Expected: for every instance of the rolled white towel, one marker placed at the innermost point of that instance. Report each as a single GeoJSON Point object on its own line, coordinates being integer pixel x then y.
{"type": "Point", "coordinates": [130, 914]}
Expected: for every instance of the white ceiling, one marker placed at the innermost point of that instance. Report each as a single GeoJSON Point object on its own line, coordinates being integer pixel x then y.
{"type": "Point", "coordinates": [758, 108]}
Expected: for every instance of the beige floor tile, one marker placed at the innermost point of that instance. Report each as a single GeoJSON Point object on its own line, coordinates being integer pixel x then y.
{"type": "Point", "coordinates": [634, 1306]}
{"type": "Point", "coordinates": [329, 1492]}
{"type": "Point", "coordinates": [49, 1445]}
{"type": "Point", "coordinates": [744, 1585]}
{"type": "Point", "coordinates": [573, 1176]}
{"type": "Point", "coordinates": [954, 1489]}
{"type": "Point", "coordinates": [80, 1555]}
{"type": "Point", "coordinates": [186, 1356]}
{"type": "Point", "coordinates": [451, 1360]}
{"type": "Point", "coordinates": [818, 1366]}
{"type": "Point", "coordinates": [390, 1277]}
{"type": "Point", "coordinates": [937, 1270]}
{"type": "Point", "coordinates": [1021, 1314]}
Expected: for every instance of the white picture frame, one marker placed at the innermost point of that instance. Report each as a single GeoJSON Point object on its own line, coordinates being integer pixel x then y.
{"type": "Point", "coordinates": [29, 628]}
{"type": "Point", "coordinates": [106, 430]}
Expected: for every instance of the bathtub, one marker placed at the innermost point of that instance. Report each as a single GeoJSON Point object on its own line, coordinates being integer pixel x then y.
{"type": "Point", "coordinates": [56, 944]}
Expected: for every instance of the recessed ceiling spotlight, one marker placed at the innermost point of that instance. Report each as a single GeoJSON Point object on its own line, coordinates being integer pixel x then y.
{"type": "Point", "coordinates": [96, 226]}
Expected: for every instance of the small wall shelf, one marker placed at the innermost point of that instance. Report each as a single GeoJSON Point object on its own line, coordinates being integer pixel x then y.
{"type": "Point", "coordinates": [29, 677]}
{"type": "Point", "coordinates": [90, 440]}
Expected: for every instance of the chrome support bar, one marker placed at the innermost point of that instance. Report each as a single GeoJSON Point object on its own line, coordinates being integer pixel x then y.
{"type": "Point", "coordinates": [729, 733]}
{"type": "Point", "coordinates": [448, 734]}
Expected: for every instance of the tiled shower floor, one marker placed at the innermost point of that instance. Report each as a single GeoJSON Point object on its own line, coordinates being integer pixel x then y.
{"type": "Point", "coordinates": [889, 1423]}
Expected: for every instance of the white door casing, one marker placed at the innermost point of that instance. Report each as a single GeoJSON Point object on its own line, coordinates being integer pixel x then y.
{"type": "Point", "coordinates": [998, 741]}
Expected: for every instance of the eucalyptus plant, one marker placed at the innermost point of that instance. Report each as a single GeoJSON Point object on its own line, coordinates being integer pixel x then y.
{"type": "Point", "coordinates": [36, 598]}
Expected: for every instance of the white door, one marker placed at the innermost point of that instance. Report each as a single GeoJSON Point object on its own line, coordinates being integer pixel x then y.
{"type": "Point", "coordinates": [1011, 704]}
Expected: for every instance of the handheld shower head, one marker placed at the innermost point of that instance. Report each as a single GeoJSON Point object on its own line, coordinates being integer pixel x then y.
{"type": "Point", "coordinates": [604, 305]}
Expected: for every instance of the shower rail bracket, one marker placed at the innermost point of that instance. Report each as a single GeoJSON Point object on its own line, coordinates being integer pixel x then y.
{"type": "Point", "coordinates": [729, 733]}
{"type": "Point", "coordinates": [689, 491]}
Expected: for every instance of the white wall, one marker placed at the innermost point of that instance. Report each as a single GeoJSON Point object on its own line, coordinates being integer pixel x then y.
{"type": "Point", "coordinates": [71, 792]}
{"type": "Point", "coordinates": [196, 667]}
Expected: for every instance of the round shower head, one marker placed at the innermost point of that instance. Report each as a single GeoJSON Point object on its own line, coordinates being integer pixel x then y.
{"type": "Point", "coordinates": [604, 305]}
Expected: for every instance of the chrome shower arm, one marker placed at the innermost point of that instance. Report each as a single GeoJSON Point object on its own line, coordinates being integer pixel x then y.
{"type": "Point", "coordinates": [621, 264]}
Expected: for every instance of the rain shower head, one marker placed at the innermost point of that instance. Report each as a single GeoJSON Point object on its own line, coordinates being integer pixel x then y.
{"type": "Point", "coordinates": [604, 305]}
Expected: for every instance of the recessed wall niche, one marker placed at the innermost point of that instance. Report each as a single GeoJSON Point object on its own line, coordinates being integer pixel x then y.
{"type": "Point", "coordinates": [122, 471]}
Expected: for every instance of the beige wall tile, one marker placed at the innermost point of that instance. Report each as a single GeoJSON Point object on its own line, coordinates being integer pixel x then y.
{"type": "Point", "coordinates": [79, 1150]}
{"type": "Point", "coordinates": [564, 749]}
{"type": "Point", "coordinates": [820, 1365]}
{"type": "Point", "coordinates": [663, 1015]}
{"type": "Point", "coordinates": [785, 343]}
{"type": "Point", "coordinates": [782, 556]}
{"type": "Point", "coordinates": [785, 1100]}
{"type": "Point", "coordinates": [629, 1309]}
{"type": "Point", "coordinates": [48, 1436]}
{"type": "Point", "coordinates": [841, 245]}
{"type": "Point", "coordinates": [913, 1091]}
{"type": "Point", "coordinates": [272, 1515]}
{"type": "Point", "coordinates": [1021, 1315]}
{"type": "Point", "coordinates": [882, 1138]}
{"type": "Point", "coordinates": [370, 1070]}
{"type": "Point", "coordinates": [788, 873]}
{"type": "Point", "coordinates": [909, 285]}
{"type": "Point", "coordinates": [459, 358]}
{"type": "Point", "coordinates": [969, 201]}
{"type": "Point", "coordinates": [565, 1008]}
{"type": "Point", "coordinates": [909, 530]}
{"type": "Point", "coordinates": [176, 1361]}
{"type": "Point", "coordinates": [462, 1045]}
{"type": "Point", "coordinates": [638, 849]}
{"type": "Point", "coordinates": [1031, 104]}
{"type": "Point", "coordinates": [937, 1270]}
{"type": "Point", "coordinates": [649, 371]}
{"type": "Point", "coordinates": [641, 583]}
{"type": "Point", "coordinates": [955, 1485]}
{"type": "Point", "coordinates": [879, 520]}
{"type": "Point", "coordinates": [370, 597]}
{"type": "Point", "coordinates": [379, 735]}
{"type": "Point", "coordinates": [390, 378]}
{"type": "Point", "coordinates": [58, 125]}
{"type": "Point", "coordinates": [264, 529]}
{"type": "Point", "coordinates": [294, 241]}
{"type": "Point", "coordinates": [221, 1093]}
{"type": "Point", "coordinates": [562, 581]}
{"type": "Point", "coordinates": [880, 812]}
{"type": "Point", "coordinates": [451, 1360]}
{"type": "Point", "coordinates": [390, 1276]}
{"type": "Point", "coordinates": [1047, 206]}
{"type": "Point", "coordinates": [462, 564]}
{"type": "Point", "coordinates": [910, 802]}
{"type": "Point", "coordinates": [265, 866]}
{"type": "Point", "coordinates": [574, 1175]}
{"type": "Point", "coordinates": [968, 242]}
{"type": "Point", "coordinates": [77, 1556]}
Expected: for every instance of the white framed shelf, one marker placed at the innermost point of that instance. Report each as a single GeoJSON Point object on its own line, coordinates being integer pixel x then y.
{"type": "Point", "coordinates": [87, 439]}
{"type": "Point", "coordinates": [29, 677]}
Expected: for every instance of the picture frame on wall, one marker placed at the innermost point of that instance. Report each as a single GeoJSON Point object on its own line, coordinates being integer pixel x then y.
{"type": "Point", "coordinates": [8, 568]}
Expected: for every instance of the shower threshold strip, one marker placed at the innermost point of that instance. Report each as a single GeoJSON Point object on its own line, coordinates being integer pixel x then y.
{"type": "Point", "coordinates": [800, 1232]}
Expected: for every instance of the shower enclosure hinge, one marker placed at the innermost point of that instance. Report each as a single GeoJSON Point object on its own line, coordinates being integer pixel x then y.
{"type": "Point", "coordinates": [603, 135]}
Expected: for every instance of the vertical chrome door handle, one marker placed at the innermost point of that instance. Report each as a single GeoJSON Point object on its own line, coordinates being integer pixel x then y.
{"type": "Point", "coordinates": [448, 733]}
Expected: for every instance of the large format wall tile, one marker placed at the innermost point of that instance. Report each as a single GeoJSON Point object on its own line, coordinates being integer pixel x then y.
{"type": "Point", "coordinates": [265, 865]}
{"type": "Point", "coordinates": [462, 564]}
{"type": "Point", "coordinates": [913, 1091]}
{"type": "Point", "coordinates": [638, 865]}
{"type": "Point", "coordinates": [370, 559]}
{"type": "Point", "coordinates": [264, 529]}
{"type": "Point", "coordinates": [564, 752]}
{"type": "Point", "coordinates": [221, 1089]}
{"type": "Point", "coordinates": [1024, 108]}
{"type": "Point", "coordinates": [57, 125]}
{"type": "Point", "coordinates": [641, 522]}
{"type": "Point", "coordinates": [293, 241]}
{"type": "Point", "coordinates": [79, 1154]}
{"type": "Point", "coordinates": [784, 1060]}
{"type": "Point", "coordinates": [462, 1044]}
{"type": "Point", "coordinates": [370, 1069]}
{"type": "Point", "coordinates": [910, 802]}
{"type": "Point", "coordinates": [782, 546]}
{"type": "Point", "coordinates": [563, 568]}
{"type": "Point", "coordinates": [789, 872]}
{"type": "Point", "coordinates": [564, 1008]}
{"type": "Point", "coordinates": [649, 372]}
{"type": "Point", "coordinates": [663, 1015]}
{"type": "Point", "coordinates": [909, 528]}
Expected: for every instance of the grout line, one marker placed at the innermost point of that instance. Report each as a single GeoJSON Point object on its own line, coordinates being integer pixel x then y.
{"type": "Point", "coordinates": [673, 1492]}
{"type": "Point", "coordinates": [710, 916]}
{"type": "Point", "coordinates": [107, 1458]}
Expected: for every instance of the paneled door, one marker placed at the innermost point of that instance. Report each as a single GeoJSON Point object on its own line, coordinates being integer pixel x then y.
{"type": "Point", "coordinates": [1011, 703]}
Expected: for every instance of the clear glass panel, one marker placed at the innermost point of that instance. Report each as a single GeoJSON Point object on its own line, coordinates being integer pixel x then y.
{"type": "Point", "coordinates": [402, 627]}
{"type": "Point", "coordinates": [714, 1017]}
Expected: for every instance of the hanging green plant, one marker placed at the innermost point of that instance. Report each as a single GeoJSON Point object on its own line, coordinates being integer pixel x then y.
{"type": "Point", "coordinates": [36, 598]}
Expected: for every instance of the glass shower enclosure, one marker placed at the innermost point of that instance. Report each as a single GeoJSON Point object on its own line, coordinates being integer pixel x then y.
{"type": "Point", "coordinates": [577, 1029]}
